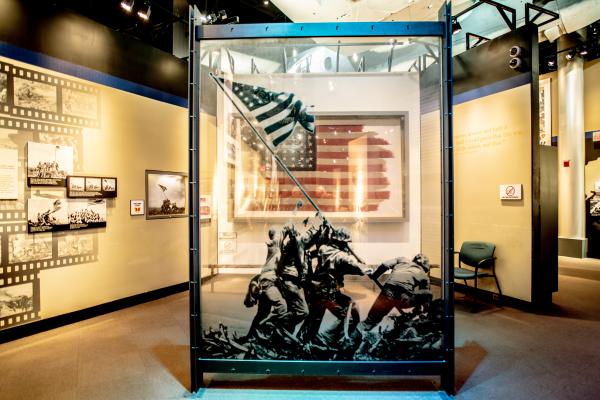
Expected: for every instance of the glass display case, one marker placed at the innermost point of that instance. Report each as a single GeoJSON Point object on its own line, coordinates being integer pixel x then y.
{"type": "Point", "coordinates": [318, 204]}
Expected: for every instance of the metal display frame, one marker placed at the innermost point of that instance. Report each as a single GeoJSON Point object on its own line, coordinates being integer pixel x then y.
{"type": "Point", "coordinates": [443, 30]}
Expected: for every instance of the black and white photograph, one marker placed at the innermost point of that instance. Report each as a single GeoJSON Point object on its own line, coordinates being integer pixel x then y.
{"type": "Point", "coordinates": [316, 299]}
{"type": "Point", "coordinates": [76, 183]}
{"type": "Point", "coordinates": [87, 187]}
{"type": "Point", "coordinates": [79, 103]}
{"type": "Point", "coordinates": [87, 214]}
{"type": "Point", "coordinates": [23, 247]}
{"type": "Point", "coordinates": [93, 184]}
{"type": "Point", "coordinates": [109, 184]}
{"type": "Point", "coordinates": [47, 215]}
{"type": "Point", "coordinates": [3, 87]}
{"type": "Point", "coordinates": [48, 164]}
{"type": "Point", "coordinates": [166, 194]}
{"type": "Point", "coordinates": [34, 95]}
{"type": "Point", "coordinates": [16, 299]}
{"type": "Point", "coordinates": [75, 245]}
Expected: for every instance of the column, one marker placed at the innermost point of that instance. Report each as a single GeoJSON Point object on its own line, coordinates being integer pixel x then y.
{"type": "Point", "coordinates": [571, 157]}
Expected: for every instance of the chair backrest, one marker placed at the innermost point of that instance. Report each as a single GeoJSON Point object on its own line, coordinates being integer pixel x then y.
{"type": "Point", "coordinates": [471, 253]}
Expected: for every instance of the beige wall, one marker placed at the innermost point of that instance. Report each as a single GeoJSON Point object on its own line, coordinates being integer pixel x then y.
{"type": "Point", "coordinates": [134, 255]}
{"type": "Point", "coordinates": [493, 147]}
{"type": "Point", "coordinates": [591, 95]}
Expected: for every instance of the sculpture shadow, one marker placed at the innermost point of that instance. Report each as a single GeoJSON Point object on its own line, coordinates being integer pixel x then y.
{"type": "Point", "coordinates": [468, 357]}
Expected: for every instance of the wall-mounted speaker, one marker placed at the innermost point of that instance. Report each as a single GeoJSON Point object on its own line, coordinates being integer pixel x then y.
{"type": "Point", "coordinates": [515, 51]}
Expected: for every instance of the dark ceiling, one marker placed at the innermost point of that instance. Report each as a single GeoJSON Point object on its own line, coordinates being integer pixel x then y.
{"type": "Point", "coordinates": [158, 30]}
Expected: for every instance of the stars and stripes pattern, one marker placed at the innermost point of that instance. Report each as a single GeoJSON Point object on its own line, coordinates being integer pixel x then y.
{"type": "Point", "coordinates": [277, 113]}
{"type": "Point", "coordinates": [344, 168]}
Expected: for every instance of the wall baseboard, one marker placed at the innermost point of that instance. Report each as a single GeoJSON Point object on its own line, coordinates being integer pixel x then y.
{"type": "Point", "coordinates": [46, 324]}
{"type": "Point", "coordinates": [489, 297]}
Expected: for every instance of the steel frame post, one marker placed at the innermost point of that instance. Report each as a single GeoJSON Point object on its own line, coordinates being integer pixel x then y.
{"type": "Point", "coordinates": [194, 201]}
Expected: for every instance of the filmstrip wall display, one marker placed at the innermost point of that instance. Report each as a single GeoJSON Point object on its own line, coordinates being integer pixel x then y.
{"type": "Point", "coordinates": [317, 192]}
{"type": "Point", "coordinates": [30, 94]}
{"type": "Point", "coordinates": [166, 194]}
{"type": "Point", "coordinates": [42, 119]}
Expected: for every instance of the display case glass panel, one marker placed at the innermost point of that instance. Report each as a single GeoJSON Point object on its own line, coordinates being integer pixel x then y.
{"type": "Point", "coordinates": [312, 153]}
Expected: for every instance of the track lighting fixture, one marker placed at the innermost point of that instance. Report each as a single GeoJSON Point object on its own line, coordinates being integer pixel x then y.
{"type": "Point", "coordinates": [127, 5]}
{"type": "Point", "coordinates": [455, 26]}
{"type": "Point", "coordinates": [144, 12]}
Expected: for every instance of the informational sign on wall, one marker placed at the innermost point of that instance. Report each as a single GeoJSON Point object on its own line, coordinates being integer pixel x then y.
{"type": "Point", "coordinates": [9, 166]}
{"type": "Point", "coordinates": [511, 191]}
{"type": "Point", "coordinates": [137, 207]}
{"type": "Point", "coordinates": [545, 112]}
{"type": "Point", "coordinates": [205, 208]}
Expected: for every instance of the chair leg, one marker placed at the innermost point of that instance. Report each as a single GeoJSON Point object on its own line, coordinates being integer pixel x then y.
{"type": "Point", "coordinates": [499, 290]}
{"type": "Point", "coordinates": [474, 307]}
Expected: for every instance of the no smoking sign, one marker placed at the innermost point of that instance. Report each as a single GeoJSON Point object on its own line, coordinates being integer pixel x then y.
{"type": "Point", "coordinates": [511, 191]}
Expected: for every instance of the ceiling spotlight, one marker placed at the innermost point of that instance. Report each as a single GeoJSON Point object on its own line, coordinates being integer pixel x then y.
{"type": "Point", "coordinates": [127, 5]}
{"type": "Point", "coordinates": [144, 12]}
{"type": "Point", "coordinates": [266, 2]}
{"type": "Point", "coordinates": [551, 63]}
{"type": "Point", "coordinates": [583, 51]}
{"type": "Point", "coordinates": [455, 26]}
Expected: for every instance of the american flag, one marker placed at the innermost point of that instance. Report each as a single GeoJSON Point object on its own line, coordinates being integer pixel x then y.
{"type": "Point", "coordinates": [276, 113]}
{"type": "Point", "coordinates": [344, 168]}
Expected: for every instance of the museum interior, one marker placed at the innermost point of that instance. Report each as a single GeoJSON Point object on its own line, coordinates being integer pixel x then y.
{"type": "Point", "coordinates": [317, 199]}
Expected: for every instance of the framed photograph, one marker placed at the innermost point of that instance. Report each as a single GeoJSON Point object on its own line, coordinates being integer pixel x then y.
{"type": "Point", "coordinates": [85, 214]}
{"type": "Point", "coordinates": [109, 184]}
{"type": "Point", "coordinates": [48, 164]}
{"type": "Point", "coordinates": [93, 184]}
{"type": "Point", "coordinates": [76, 183]}
{"type": "Point", "coordinates": [47, 215]}
{"type": "Point", "coordinates": [166, 194]}
{"type": "Point", "coordinates": [353, 167]}
{"type": "Point", "coordinates": [91, 187]}
{"type": "Point", "coordinates": [137, 207]}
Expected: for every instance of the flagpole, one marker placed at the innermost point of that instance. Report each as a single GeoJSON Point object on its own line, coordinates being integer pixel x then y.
{"type": "Point", "coordinates": [281, 164]}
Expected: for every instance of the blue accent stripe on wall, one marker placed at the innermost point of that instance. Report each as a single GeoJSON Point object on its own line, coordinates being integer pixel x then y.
{"type": "Point", "coordinates": [88, 74]}
{"type": "Point", "coordinates": [496, 87]}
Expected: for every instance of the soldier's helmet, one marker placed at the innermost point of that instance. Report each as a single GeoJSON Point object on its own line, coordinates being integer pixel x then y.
{"type": "Point", "coordinates": [341, 235]}
{"type": "Point", "coordinates": [422, 261]}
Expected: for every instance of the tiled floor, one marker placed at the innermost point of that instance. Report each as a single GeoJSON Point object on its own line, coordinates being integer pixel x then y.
{"type": "Point", "coordinates": [142, 353]}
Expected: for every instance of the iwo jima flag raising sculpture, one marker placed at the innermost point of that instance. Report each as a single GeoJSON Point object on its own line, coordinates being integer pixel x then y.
{"type": "Point", "coordinates": [304, 272]}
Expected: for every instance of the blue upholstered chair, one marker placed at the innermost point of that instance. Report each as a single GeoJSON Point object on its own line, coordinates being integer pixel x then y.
{"type": "Point", "coordinates": [479, 256]}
